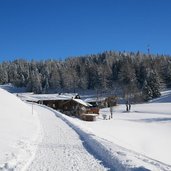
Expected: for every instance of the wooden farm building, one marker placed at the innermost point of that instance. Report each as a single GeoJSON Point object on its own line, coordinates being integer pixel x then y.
{"type": "Point", "coordinates": [69, 104]}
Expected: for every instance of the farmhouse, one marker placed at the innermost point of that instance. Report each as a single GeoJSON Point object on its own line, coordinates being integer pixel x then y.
{"type": "Point", "coordinates": [69, 104]}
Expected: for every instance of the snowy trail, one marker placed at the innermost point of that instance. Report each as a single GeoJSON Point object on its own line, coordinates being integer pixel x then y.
{"type": "Point", "coordinates": [61, 147]}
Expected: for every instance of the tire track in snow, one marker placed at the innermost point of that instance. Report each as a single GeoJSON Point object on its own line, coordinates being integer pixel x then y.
{"type": "Point", "coordinates": [94, 146]}
{"type": "Point", "coordinates": [61, 147]}
{"type": "Point", "coordinates": [113, 156]}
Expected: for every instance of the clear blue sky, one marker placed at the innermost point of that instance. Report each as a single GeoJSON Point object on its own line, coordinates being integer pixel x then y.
{"type": "Point", "coordinates": [42, 29]}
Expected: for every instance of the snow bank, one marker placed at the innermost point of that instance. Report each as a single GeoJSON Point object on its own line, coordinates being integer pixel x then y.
{"type": "Point", "coordinates": [19, 129]}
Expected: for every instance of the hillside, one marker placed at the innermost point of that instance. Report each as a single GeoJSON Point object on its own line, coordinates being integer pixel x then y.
{"type": "Point", "coordinates": [117, 72]}
{"type": "Point", "coordinates": [18, 128]}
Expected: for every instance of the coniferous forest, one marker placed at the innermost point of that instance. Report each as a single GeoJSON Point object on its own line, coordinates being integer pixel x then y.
{"type": "Point", "coordinates": [132, 73]}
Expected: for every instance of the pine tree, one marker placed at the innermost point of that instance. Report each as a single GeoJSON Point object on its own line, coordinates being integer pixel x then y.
{"type": "Point", "coordinates": [147, 93]}
{"type": "Point", "coordinates": [154, 83]}
{"type": "Point", "coordinates": [127, 79]}
{"type": "Point", "coordinates": [34, 83]}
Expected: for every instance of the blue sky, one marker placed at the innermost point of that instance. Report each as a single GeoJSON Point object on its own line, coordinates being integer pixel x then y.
{"type": "Point", "coordinates": [41, 29]}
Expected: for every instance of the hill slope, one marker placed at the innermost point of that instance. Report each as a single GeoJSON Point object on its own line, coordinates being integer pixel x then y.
{"type": "Point", "coordinates": [18, 127]}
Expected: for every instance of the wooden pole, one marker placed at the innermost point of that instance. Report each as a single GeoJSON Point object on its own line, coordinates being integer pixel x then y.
{"type": "Point", "coordinates": [32, 108]}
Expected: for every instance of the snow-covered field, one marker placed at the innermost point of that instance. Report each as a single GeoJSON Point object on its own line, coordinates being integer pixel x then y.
{"type": "Point", "coordinates": [49, 140]}
{"type": "Point", "coordinates": [146, 131]}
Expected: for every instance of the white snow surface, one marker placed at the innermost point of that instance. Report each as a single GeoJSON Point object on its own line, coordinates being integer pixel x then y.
{"type": "Point", "coordinates": [61, 147]}
{"type": "Point", "coordinates": [37, 97]}
{"type": "Point", "coordinates": [25, 145]}
{"type": "Point", "coordinates": [49, 140]}
{"type": "Point", "coordinates": [143, 135]}
{"type": "Point", "coordinates": [18, 128]}
{"type": "Point", "coordinates": [12, 89]}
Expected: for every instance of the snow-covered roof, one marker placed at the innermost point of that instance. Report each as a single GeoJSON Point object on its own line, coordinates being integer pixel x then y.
{"type": "Point", "coordinates": [38, 97]}
{"type": "Point", "coordinates": [28, 98]}
{"type": "Point", "coordinates": [82, 102]}
{"type": "Point", "coordinates": [90, 114]}
{"type": "Point", "coordinates": [44, 97]}
{"type": "Point", "coordinates": [94, 99]}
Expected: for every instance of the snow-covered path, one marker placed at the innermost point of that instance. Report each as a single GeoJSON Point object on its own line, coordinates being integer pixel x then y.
{"type": "Point", "coordinates": [61, 147]}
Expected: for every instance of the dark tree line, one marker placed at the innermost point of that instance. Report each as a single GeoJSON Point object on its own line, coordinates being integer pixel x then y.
{"type": "Point", "coordinates": [134, 73]}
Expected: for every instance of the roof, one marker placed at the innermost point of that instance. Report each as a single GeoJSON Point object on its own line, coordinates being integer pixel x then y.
{"type": "Point", "coordinates": [82, 102]}
{"type": "Point", "coordinates": [46, 97]}
{"type": "Point", "coordinates": [90, 114]}
{"type": "Point", "coordinates": [39, 97]}
{"type": "Point", "coordinates": [95, 99]}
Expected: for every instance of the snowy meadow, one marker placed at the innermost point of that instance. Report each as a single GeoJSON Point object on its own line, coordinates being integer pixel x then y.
{"type": "Point", "coordinates": [135, 140]}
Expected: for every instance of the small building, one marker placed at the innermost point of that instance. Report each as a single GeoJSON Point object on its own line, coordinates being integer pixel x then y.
{"type": "Point", "coordinates": [96, 102]}
{"type": "Point", "coordinates": [103, 101]}
{"type": "Point", "coordinates": [89, 117]}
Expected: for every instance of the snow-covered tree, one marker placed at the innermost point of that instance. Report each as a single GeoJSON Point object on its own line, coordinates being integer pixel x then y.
{"type": "Point", "coordinates": [147, 92]}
